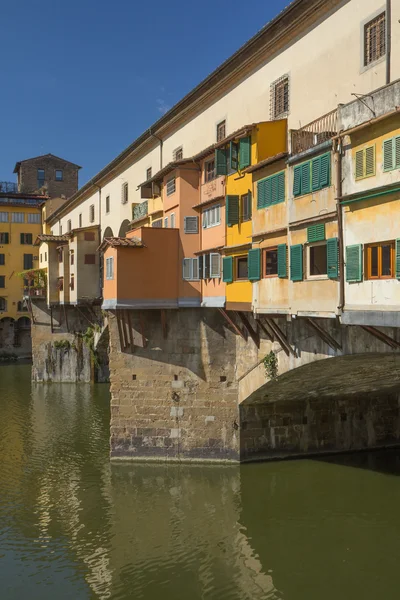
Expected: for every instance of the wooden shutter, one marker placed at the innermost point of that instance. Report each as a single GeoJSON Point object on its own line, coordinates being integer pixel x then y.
{"type": "Point", "coordinates": [215, 265]}
{"type": "Point", "coordinates": [388, 162]}
{"type": "Point", "coordinates": [254, 262]}
{"type": "Point", "coordinates": [296, 262]}
{"type": "Point", "coordinates": [261, 194]}
{"type": "Point", "coordinates": [268, 192]}
{"type": "Point", "coordinates": [2, 259]}
{"type": "Point", "coordinates": [325, 171]}
{"type": "Point", "coordinates": [332, 258]}
{"type": "Point", "coordinates": [369, 161]}
{"type": "Point", "coordinates": [397, 152]}
{"type": "Point", "coordinates": [233, 152]}
{"type": "Point", "coordinates": [281, 186]}
{"type": "Point", "coordinates": [220, 161]}
{"type": "Point", "coordinates": [28, 261]}
{"type": "Point", "coordinates": [274, 189]}
{"type": "Point", "coordinates": [316, 233]}
{"type": "Point", "coordinates": [316, 173]}
{"type": "Point", "coordinates": [244, 152]}
{"type": "Point", "coordinates": [282, 261]}
{"type": "Point", "coordinates": [306, 178]}
{"type": "Point", "coordinates": [397, 258]}
{"type": "Point", "coordinates": [29, 239]}
{"type": "Point", "coordinates": [297, 181]}
{"type": "Point", "coordinates": [22, 238]}
{"type": "Point", "coordinates": [232, 210]}
{"type": "Point", "coordinates": [191, 224]}
{"type": "Point", "coordinates": [353, 263]}
{"type": "Point", "coordinates": [227, 269]}
{"type": "Point", "coordinates": [359, 164]}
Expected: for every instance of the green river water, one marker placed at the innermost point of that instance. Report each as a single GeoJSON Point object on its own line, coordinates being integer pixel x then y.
{"type": "Point", "coordinates": [73, 526]}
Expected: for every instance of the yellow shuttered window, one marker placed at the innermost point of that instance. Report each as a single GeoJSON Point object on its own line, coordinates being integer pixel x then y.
{"type": "Point", "coordinates": [365, 162]}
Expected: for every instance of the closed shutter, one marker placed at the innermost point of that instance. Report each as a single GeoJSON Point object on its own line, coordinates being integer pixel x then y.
{"type": "Point", "coordinates": [297, 181]}
{"type": "Point", "coordinates": [397, 152]}
{"type": "Point", "coordinates": [369, 161]}
{"type": "Point", "coordinates": [261, 194]}
{"type": "Point", "coordinates": [359, 164]}
{"type": "Point", "coordinates": [316, 233]}
{"type": "Point", "coordinates": [22, 238]}
{"type": "Point", "coordinates": [281, 187]}
{"type": "Point", "coordinates": [233, 151]}
{"type": "Point", "coordinates": [227, 269]}
{"type": "Point", "coordinates": [220, 161]}
{"type": "Point", "coordinates": [232, 210]}
{"type": "Point", "coordinates": [388, 155]}
{"type": "Point", "coordinates": [282, 261]}
{"type": "Point", "coordinates": [397, 258]}
{"type": "Point", "coordinates": [296, 262]}
{"type": "Point", "coordinates": [173, 221]}
{"type": "Point", "coordinates": [353, 262]}
{"type": "Point", "coordinates": [215, 265]}
{"type": "Point", "coordinates": [316, 173]}
{"type": "Point", "coordinates": [29, 239]}
{"type": "Point", "coordinates": [254, 262]}
{"type": "Point", "coordinates": [274, 189]}
{"type": "Point", "coordinates": [2, 259]}
{"type": "Point", "coordinates": [244, 153]}
{"type": "Point", "coordinates": [305, 178]}
{"type": "Point", "coordinates": [332, 258]}
{"type": "Point", "coordinates": [187, 268]}
{"type": "Point", "coordinates": [195, 268]}
{"type": "Point", "coordinates": [325, 171]}
{"type": "Point", "coordinates": [28, 261]}
{"type": "Point", "coordinates": [191, 224]}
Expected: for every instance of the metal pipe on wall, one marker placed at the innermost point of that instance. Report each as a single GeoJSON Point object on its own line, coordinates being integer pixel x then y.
{"type": "Point", "coordinates": [338, 160]}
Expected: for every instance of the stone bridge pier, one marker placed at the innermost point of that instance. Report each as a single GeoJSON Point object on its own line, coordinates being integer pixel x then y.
{"type": "Point", "coordinates": [190, 384]}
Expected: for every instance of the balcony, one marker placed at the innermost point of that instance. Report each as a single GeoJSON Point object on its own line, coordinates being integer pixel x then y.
{"type": "Point", "coordinates": [8, 187]}
{"type": "Point", "coordinates": [315, 133]}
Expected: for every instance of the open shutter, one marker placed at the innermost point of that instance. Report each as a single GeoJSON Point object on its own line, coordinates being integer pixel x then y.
{"type": "Point", "coordinates": [316, 233]}
{"type": "Point", "coordinates": [325, 172]}
{"type": "Point", "coordinates": [282, 260]}
{"type": "Point", "coordinates": [306, 178]}
{"type": "Point", "coordinates": [297, 181]}
{"type": "Point", "coordinates": [353, 262]}
{"type": "Point", "coordinates": [316, 173]}
{"type": "Point", "coordinates": [233, 152]}
{"type": "Point", "coordinates": [187, 268]}
{"type": "Point", "coordinates": [191, 224]}
{"type": "Point", "coordinates": [244, 152]}
{"type": "Point", "coordinates": [254, 262]}
{"type": "Point", "coordinates": [332, 258]}
{"type": "Point", "coordinates": [296, 262]}
{"type": "Point", "coordinates": [388, 155]}
{"type": "Point", "coordinates": [215, 265]}
{"type": "Point", "coordinates": [22, 238]}
{"type": "Point", "coordinates": [227, 269]}
{"type": "Point", "coordinates": [281, 187]}
{"type": "Point", "coordinates": [396, 151]}
{"type": "Point", "coordinates": [232, 210]}
{"type": "Point", "coordinates": [261, 194]}
{"type": "Point", "coordinates": [220, 161]}
{"type": "Point", "coordinates": [206, 266]}
{"type": "Point", "coordinates": [397, 265]}
{"type": "Point", "coordinates": [369, 161]}
{"type": "Point", "coordinates": [201, 266]}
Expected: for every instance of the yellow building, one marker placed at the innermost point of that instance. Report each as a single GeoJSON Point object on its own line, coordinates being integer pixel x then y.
{"type": "Point", "coordinates": [249, 146]}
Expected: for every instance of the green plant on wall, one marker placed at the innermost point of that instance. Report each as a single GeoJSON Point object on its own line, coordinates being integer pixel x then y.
{"type": "Point", "coordinates": [62, 345]}
{"type": "Point", "coordinates": [271, 366]}
{"type": "Point", "coordinates": [88, 339]}
{"type": "Point", "coordinates": [36, 278]}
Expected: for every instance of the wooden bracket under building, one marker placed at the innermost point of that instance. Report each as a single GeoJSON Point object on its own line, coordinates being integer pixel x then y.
{"type": "Point", "coordinates": [130, 332]}
{"type": "Point", "coordinates": [232, 323]}
{"type": "Point", "coordinates": [120, 331]}
{"type": "Point", "coordinates": [381, 336]}
{"type": "Point", "coordinates": [281, 337]}
{"type": "Point", "coordinates": [269, 334]}
{"type": "Point", "coordinates": [164, 323]}
{"type": "Point", "coordinates": [324, 335]}
{"type": "Point", "coordinates": [255, 335]}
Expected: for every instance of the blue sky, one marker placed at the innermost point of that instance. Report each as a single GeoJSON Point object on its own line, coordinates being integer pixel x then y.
{"type": "Point", "coordinates": [83, 78]}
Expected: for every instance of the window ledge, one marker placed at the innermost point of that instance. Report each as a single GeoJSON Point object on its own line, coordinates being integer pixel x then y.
{"type": "Point", "coordinates": [317, 278]}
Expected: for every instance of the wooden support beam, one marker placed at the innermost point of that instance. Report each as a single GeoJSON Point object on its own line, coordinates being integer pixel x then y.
{"type": "Point", "coordinates": [381, 336]}
{"type": "Point", "coordinates": [164, 323]}
{"type": "Point", "coordinates": [85, 316]}
{"type": "Point", "coordinates": [120, 334]}
{"type": "Point", "coordinates": [60, 316]}
{"type": "Point", "coordinates": [66, 318]}
{"type": "Point", "coordinates": [130, 332]}
{"type": "Point", "coordinates": [282, 339]}
{"type": "Point", "coordinates": [324, 335]}
{"type": "Point", "coordinates": [141, 320]}
{"type": "Point", "coordinates": [232, 323]}
{"type": "Point", "coordinates": [268, 333]}
{"type": "Point", "coordinates": [51, 319]}
{"type": "Point", "coordinates": [255, 336]}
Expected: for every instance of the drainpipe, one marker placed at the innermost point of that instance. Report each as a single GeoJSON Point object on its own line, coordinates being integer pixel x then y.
{"type": "Point", "coordinates": [338, 160]}
{"type": "Point", "coordinates": [161, 146]}
{"type": "Point", "coordinates": [388, 39]}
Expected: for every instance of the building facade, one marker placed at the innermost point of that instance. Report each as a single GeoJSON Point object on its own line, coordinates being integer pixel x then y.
{"type": "Point", "coordinates": [48, 174]}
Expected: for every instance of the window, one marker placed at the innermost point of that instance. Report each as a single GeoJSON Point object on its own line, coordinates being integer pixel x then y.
{"type": "Point", "coordinates": [3, 304]}
{"type": "Point", "coordinates": [221, 131]}
{"type": "Point", "coordinates": [190, 269]}
{"type": "Point", "coordinates": [4, 237]}
{"type": "Point", "coordinates": [212, 216]}
{"type": "Point", "coordinates": [72, 257]}
{"type": "Point", "coordinates": [317, 260]}
{"type": "Point", "coordinates": [91, 213]}
{"type": "Point", "coordinates": [312, 175]}
{"type": "Point", "coordinates": [2, 281]}
{"type": "Point", "coordinates": [41, 257]}
{"type": "Point", "coordinates": [242, 271]}
{"type": "Point", "coordinates": [178, 153]}
{"type": "Point", "coordinates": [89, 236]}
{"type": "Point", "coordinates": [191, 224]}
{"type": "Point", "coordinates": [107, 204]}
{"type": "Point", "coordinates": [157, 224]}
{"type": "Point", "coordinates": [34, 218]}
{"type": "Point", "coordinates": [90, 259]}
{"type": "Point", "coordinates": [380, 260]}
{"type": "Point", "coordinates": [60, 229]}
{"type": "Point", "coordinates": [3, 217]}
{"type": "Point", "coordinates": [171, 186]}
{"type": "Point", "coordinates": [28, 262]}
{"type": "Point", "coordinates": [80, 220]}
{"type": "Point", "coordinates": [26, 238]}
{"type": "Point", "coordinates": [69, 225]}
{"type": "Point", "coordinates": [375, 39]}
{"type": "Point", "coordinates": [215, 265]}
{"type": "Point", "coordinates": [391, 154]}
{"type": "Point", "coordinates": [124, 193]}
{"type": "Point", "coordinates": [172, 220]}
{"type": "Point", "coordinates": [280, 97]}
{"type": "Point", "coordinates": [110, 268]}
{"type": "Point", "coordinates": [40, 178]}
{"type": "Point", "coordinates": [246, 207]}
{"type": "Point", "coordinates": [59, 175]}
{"type": "Point", "coordinates": [209, 170]}
{"type": "Point", "coordinates": [60, 255]}
{"type": "Point", "coordinates": [45, 256]}
{"type": "Point", "coordinates": [365, 162]}
{"type": "Point", "coordinates": [271, 262]}
{"type": "Point", "coordinates": [2, 260]}
{"type": "Point", "coordinates": [271, 190]}
{"type": "Point", "coordinates": [166, 222]}
{"type": "Point", "coordinates": [148, 173]}
{"type": "Point", "coordinates": [17, 217]}
{"type": "Point", "coordinates": [72, 282]}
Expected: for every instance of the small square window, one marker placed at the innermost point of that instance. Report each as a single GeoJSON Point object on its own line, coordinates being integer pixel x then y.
{"type": "Point", "coordinates": [171, 186]}
{"type": "Point", "coordinates": [271, 262]}
{"type": "Point", "coordinates": [59, 175]}
{"type": "Point", "coordinates": [148, 173]}
{"type": "Point", "coordinates": [178, 153]}
{"type": "Point", "coordinates": [317, 263]}
{"type": "Point", "coordinates": [280, 97]}
{"type": "Point", "coordinates": [90, 259]}
{"type": "Point", "coordinates": [221, 131]}
{"type": "Point", "coordinates": [242, 271]}
{"type": "Point", "coordinates": [375, 39]}
{"type": "Point", "coordinates": [107, 204]}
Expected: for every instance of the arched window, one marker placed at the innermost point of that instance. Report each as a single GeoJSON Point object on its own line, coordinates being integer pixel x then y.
{"type": "Point", "coordinates": [24, 323]}
{"type": "Point", "coordinates": [125, 226]}
{"type": "Point", "coordinates": [108, 233]}
{"type": "Point", "coordinates": [3, 304]}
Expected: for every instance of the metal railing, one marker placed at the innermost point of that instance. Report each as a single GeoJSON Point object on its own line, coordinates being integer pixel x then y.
{"type": "Point", "coordinates": [8, 187]}
{"type": "Point", "coordinates": [315, 133]}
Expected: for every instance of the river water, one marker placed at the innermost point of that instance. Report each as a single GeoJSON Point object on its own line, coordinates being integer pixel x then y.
{"type": "Point", "coordinates": [72, 526]}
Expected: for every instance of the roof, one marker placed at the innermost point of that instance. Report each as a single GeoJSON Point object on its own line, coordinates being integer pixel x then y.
{"type": "Point", "coordinates": [121, 242]}
{"type": "Point", "coordinates": [19, 163]}
{"type": "Point", "coordinates": [266, 162]}
{"type": "Point", "coordinates": [297, 12]}
{"type": "Point", "coordinates": [44, 237]}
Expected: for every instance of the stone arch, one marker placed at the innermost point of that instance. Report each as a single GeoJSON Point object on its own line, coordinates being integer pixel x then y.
{"type": "Point", "coordinates": [24, 323]}
{"type": "Point", "coordinates": [7, 333]}
{"type": "Point", "coordinates": [125, 226]}
{"type": "Point", "coordinates": [108, 233]}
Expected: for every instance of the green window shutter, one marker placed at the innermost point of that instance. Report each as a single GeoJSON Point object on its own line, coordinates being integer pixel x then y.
{"type": "Point", "coordinates": [233, 152]}
{"type": "Point", "coordinates": [325, 172]}
{"type": "Point", "coordinates": [244, 152]}
{"type": "Point", "coordinates": [353, 263]}
{"type": "Point", "coordinates": [261, 194]}
{"type": "Point", "coordinates": [268, 192]}
{"type": "Point", "coordinates": [369, 161]}
{"type": "Point", "coordinates": [281, 187]}
{"type": "Point", "coordinates": [22, 238]}
{"type": "Point", "coordinates": [274, 189]}
{"type": "Point", "coordinates": [254, 264]}
{"type": "Point", "coordinates": [397, 152]}
{"type": "Point", "coordinates": [305, 178]}
{"type": "Point", "coordinates": [296, 262]}
{"type": "Point", "coordinates": [316, 173]}
{"type": "Point", "coordinates": [297, 181]}
{"type": "Point", "coordinates": [220, 161]}
{"type": "Point", "coordinates": [282, 260]}
{"type": "Point", "coordinates": [227, 269]}
{"type": "Point", "coordinates": [388, 155]}
{"type": "Point", "coordinates": [397, 265]}
{"type": "Point", "coordinates": [316, 233]}
{"type": "Point", "coordinates": [332, 258]}
{"type": "Point", "coordinates": [232, 210]}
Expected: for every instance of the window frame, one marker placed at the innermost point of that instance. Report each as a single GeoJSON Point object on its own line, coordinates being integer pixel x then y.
{"type": "Point", "coordinates": [168, 186]}
{"type": "Point", "coordinates": [281, 82]}
{"type": "Point", "coordinates": [205, 217]}
{"type": "Point", "coordinates": [55, 175]}
{"type": "Point", "coordinates": [237, 259]}
{"type": "Point", "coordinates": [17, 221]}
{"type": "Point", "coordinates": [69, 225]}
{"type": "Point", "coordinates": [34, 218]}
{"type": "Point", "coordinates": [207, 177]}
{"type": "Point", "coordinates": [264, 262]}
{"type": "Point", "coordinates": [365, 64]}
{"type": "Point", "coordinates": [320, 276]}
{"type": "Point", "coordinates": [172, 220]}
{"type": "Point", "coordinates": [40, 181]}
{"type": "Point", "coordinates": [107, 204]}
{"type": "Point", "coordinates": [368, 260]}
{"type": "Point", "coordinates": [72, 257]}
{"type": "Point", "coordinates": [157, 223]}
{"type": "Point", "coordinates": [364, 150]}
{"type": "Point", "coordinates": [221, 125]}
{"type": "Point", "coordinates": [248, 197]}
{"type": "Point", "coordinates": [149, 173]}
{"type": "Point", "coordinates": [166, 222]}
{"type": "Point", "coordinates": [125, 193]}
{"type": "Point", "coordinates": [110, 268]}
{"type": "Point", "coordinates": [177, 154]}
{"type": "Point", "coordinates": [91, 213]}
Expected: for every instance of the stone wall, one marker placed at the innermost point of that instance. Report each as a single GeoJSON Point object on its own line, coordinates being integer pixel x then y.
{"type": "Point", "coordinates": [176, 396]}
{"type": "Point", "coordinates": [28, 180]}
{"type": "Point", "coordinates": [15, 337]}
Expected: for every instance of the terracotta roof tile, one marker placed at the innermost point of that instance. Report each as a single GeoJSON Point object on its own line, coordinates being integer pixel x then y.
{"type": "Point", "coordinates": [121, 242]}
{"type": "Point", "coordinates": [44, 237]}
